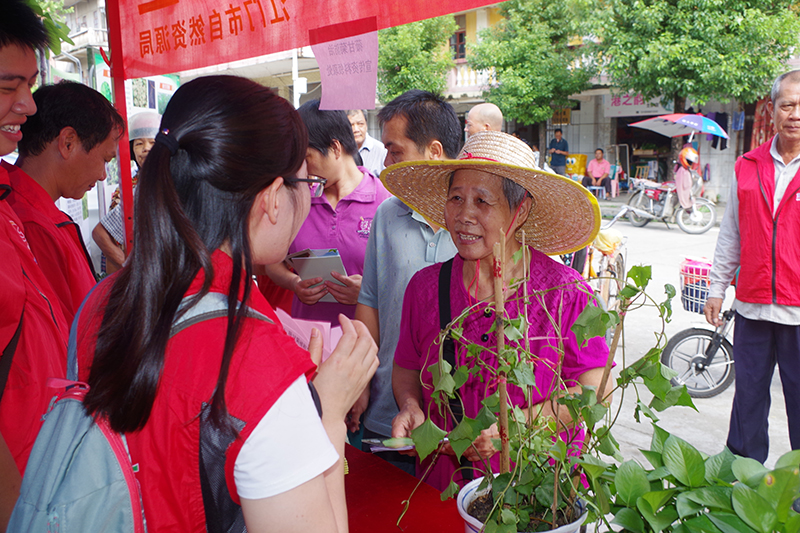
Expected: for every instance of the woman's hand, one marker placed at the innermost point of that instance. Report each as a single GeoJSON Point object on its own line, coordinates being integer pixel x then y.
{"type": "Point", "coordinates": [348, 294]}
{"type": "Point", "coordinates": [409, 418]}
{"type": "Point", "coordinates": [482, 449]}
{"type": "Point", "coordinates": [346, 373]}
{"type": "Point", "coordinates": [353, 419]}
{"type": "Point", "coordinates": [306, 293]}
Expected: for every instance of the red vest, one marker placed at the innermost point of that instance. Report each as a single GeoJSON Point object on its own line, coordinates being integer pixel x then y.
{"type": "Point", "coordinates": [55, 240]}
{"type": "Point", "coordinates": [41, 350]}
{"type": "Point", "coordinates": [770, 263]}
{"type": "Point", "coordinates": [266, 361]}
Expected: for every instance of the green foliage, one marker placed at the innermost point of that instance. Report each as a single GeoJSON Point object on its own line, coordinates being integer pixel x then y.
{"type": "Point", "coordinates": [414, 56]}
{"type": "Point", "coordinates": [691, 492]}
{"type": "Point", "coordinates": [703, 49]}
{"type": "Point", "coordinates": [52, 13]}
{"type": "Point", "coordinates": [535, 68]}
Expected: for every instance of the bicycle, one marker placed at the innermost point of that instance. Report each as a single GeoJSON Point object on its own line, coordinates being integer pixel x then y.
{"type": "Point", "coordinates": [702, 358]}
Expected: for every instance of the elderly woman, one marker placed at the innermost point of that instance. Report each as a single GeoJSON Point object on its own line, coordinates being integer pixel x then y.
{"type": "Point", "coordinates": [493, 189]}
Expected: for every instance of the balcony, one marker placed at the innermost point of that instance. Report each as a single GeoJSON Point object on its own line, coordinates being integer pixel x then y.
{"type": "Point", "coordinates": [85, 37]}
{"type": "Point", "coordinates": [465, 81]}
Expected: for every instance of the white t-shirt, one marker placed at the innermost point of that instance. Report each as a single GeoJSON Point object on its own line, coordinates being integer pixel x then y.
{"type": "Point", "coordinates": [288, 447]}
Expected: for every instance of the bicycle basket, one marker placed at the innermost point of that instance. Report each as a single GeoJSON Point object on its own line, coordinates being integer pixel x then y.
{"type": "Point", "coordinates": [694, 284]}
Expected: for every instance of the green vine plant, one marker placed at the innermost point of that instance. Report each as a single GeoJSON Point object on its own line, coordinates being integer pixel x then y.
{"type": "Point", "coordinates": [551, 478]}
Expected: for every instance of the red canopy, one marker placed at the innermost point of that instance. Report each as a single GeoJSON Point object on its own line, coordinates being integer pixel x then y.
{"type": "Point", "coordinates": [163, 36]}
{"type": "Point", "coordinates": [149, 37]}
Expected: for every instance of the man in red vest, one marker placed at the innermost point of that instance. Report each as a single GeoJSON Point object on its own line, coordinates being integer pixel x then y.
{"type": "Point", "coordinates": [63, 153]}
{"type": "Point", "coordinates": [33, 332]}
{"type": "Point", "coordinates": [760, 236]}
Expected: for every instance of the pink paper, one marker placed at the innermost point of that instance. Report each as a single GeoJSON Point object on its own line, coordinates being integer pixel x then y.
{"type": "Point", "coordinates": [348, 70]}
{"type": "Point", "coordinates": [300, 331]}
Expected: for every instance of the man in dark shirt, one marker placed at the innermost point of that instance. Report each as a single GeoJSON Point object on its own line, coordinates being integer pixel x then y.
{"type": "Point", "coordinates": [559, 149]}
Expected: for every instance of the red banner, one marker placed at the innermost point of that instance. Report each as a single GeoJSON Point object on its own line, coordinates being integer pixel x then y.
{"type": "Point", "coordinates": [165, 36]}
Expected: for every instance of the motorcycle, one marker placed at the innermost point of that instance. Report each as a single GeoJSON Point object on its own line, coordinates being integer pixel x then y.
{"type": "Point", "coordinates": [651, 200]}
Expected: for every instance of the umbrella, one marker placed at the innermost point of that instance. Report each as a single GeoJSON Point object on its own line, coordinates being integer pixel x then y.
{"type": "Point", "coordinates": [677, 124]}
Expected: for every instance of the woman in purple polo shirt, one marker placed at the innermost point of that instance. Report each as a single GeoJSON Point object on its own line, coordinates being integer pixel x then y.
{"type": "Point", "coordinates": [340, 218]}
{"type": "Point", "coordinates": [494, 188]}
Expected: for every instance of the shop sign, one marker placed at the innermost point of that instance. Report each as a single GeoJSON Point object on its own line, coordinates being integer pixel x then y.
{"type": "Point", "coordinates": [632, 104]}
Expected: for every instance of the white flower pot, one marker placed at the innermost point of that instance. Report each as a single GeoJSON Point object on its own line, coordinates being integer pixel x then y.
{"type": "Point", "coordinates": [470, 491]}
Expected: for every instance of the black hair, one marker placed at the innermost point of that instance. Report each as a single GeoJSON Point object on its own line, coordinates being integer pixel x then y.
{"type": "Point", "coordinates": [557, 130]}
{"type": "Point", "coordinates": [324, 127]}
{"type": "Point", "coordinates": [68, 104]}
{"type": "Point", "coordinates": [601, 150]}
{"type": "Point", "coordinates": [233, 138]}
{"type": "Point", "coordinates": [428, 118]}
{"type": "Point", "coordinates": [20, 26]}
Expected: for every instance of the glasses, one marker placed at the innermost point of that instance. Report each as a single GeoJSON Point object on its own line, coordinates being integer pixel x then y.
{"type": "Point", "coordinates": [315, 185]}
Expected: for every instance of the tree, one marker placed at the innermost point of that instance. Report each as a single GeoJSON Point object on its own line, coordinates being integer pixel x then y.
{"type": "Point", "coordinates": [536, 69]}
{"type": "Point", "coordinates": [414, 56]}
{"type": "Point", "coordinates": [699, 49]}
{"type": "Point", "coordinates": [52, 13]}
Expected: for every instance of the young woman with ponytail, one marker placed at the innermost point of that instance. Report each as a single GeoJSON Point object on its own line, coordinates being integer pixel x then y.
{"type": "Point", "coordinates": [218, 416]}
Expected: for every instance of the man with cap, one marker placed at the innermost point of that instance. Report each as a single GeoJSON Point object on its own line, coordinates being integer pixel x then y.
{"type": "Point", "coordinates": [33, 332]}
{"type": "Point", "coordinates": [109, 234]}
{"type": "Point", "coordinates": [416, 125]}
{"type": "Point", "coordinates": [483, 117]}
{"type": "Point", "coordinates": [63, 153]}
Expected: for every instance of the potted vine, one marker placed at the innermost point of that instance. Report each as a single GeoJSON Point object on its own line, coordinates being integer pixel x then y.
{"type": "Point", "coordinates": [543, 483]}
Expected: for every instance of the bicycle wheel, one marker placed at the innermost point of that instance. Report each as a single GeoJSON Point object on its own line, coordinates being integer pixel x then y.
{"type": "Point", "coordinates": [685, 353]}
{"type": "Point", "coordinates": [699, 219]}
{"type": "Point", "coordinates": [639, 201]}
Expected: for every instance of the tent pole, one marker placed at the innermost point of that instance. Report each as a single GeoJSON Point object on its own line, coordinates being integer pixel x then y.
{"type": "Point", "coordinates": [123, 153]}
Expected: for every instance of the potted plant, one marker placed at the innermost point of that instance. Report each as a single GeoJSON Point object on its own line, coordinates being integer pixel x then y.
{"type": "Point", "coordinates": [547, 476]}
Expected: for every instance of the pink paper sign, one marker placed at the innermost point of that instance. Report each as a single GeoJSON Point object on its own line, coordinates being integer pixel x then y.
{"type": "Point", "coordinates": [348, 69]}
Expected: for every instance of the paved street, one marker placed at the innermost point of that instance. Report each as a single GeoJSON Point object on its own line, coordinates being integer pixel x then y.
{"type": "Point", "coordinates": [664, 249]}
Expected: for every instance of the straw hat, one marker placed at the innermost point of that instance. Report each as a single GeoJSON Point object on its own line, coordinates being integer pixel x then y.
{"type": "Point", "coordinates": [565, 217]}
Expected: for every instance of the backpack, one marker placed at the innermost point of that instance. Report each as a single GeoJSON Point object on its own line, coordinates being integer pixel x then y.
{"type": "Point", "coordinates": [79, 475]}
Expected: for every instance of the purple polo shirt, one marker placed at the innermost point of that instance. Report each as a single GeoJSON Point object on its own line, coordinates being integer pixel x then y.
{"type": "Point", "coordinates": [347, 228]}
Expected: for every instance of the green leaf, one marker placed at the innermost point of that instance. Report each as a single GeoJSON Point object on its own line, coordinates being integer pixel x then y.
{"type": "Point", "coordinates": [640, 405]}
{"type": "Point", "coordinates": [516, 257]}
{"type": "Point", "coordinates": [629, 519]}
{"type": "Point", "coordinates": [792, 524]}
{"type": "Point", "coordinates": [718, 467]}
{"type": "Point", "coordinates": [485, 418]}
{"type": "Point", "coordinates": [464, 435]}
{"type": "Point", "coordinates": [781, 487]}
{"type": "Point", "coordinates": [686, 506]}
{"type": "Point", "coordinates": [492, 402]}
{"type": "Point", "coordinates": [450, 492]}
{"type": "Point", "coordinates": [653, 457]}
{"type": "Point", "coordinates": [712, 497]}
{"type": "Point", "coordinates": [594, 414]}
{"type": "Point", "coordinates": [753, 508]}
{"type": "Point", "coordinates": [427, 437]}
{"type": "Point", "coordinates": [748, 471]}
{"type": "Point", "coordinates": [439, 369]}
{"type": "Point", "coordinates": [700, 524]}
{"type": "Point", "coordinates": [507, 517]}
{"type": "Point", "coordinates": [641, 275]}
{"type": "Point", "coordinates": [446, 384]}
{"type": "Point", "coordinates": [660, 436]}
{"type": "Point", "coordinates": [592, 322]}
{"type": "Point", "coordinates": [650, 503]}
{"type": "Point", "coordinates": [558, 450]}
{"type": "Point", "coordinates": [460, 376]}
{"type": "Point", "coordinates": [524, 375]}
{"type": "Point", "coordinates": [788, 459]}
{"type": "Point", "coordinates": [593, 466]}
{"type": "Point", "coordinates": [729, 523]}
{"type": "Point", "coordinates": [631, 482]}
{"type": "Point", "coordinates": [684, 461]}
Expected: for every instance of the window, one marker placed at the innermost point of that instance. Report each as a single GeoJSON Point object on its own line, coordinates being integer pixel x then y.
{"type": "Point", "coordinates": [458, 42]}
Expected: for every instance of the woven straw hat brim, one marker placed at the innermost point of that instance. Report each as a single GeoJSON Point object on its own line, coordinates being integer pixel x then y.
{"type": "Point", "coordinates": [564, 218]}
